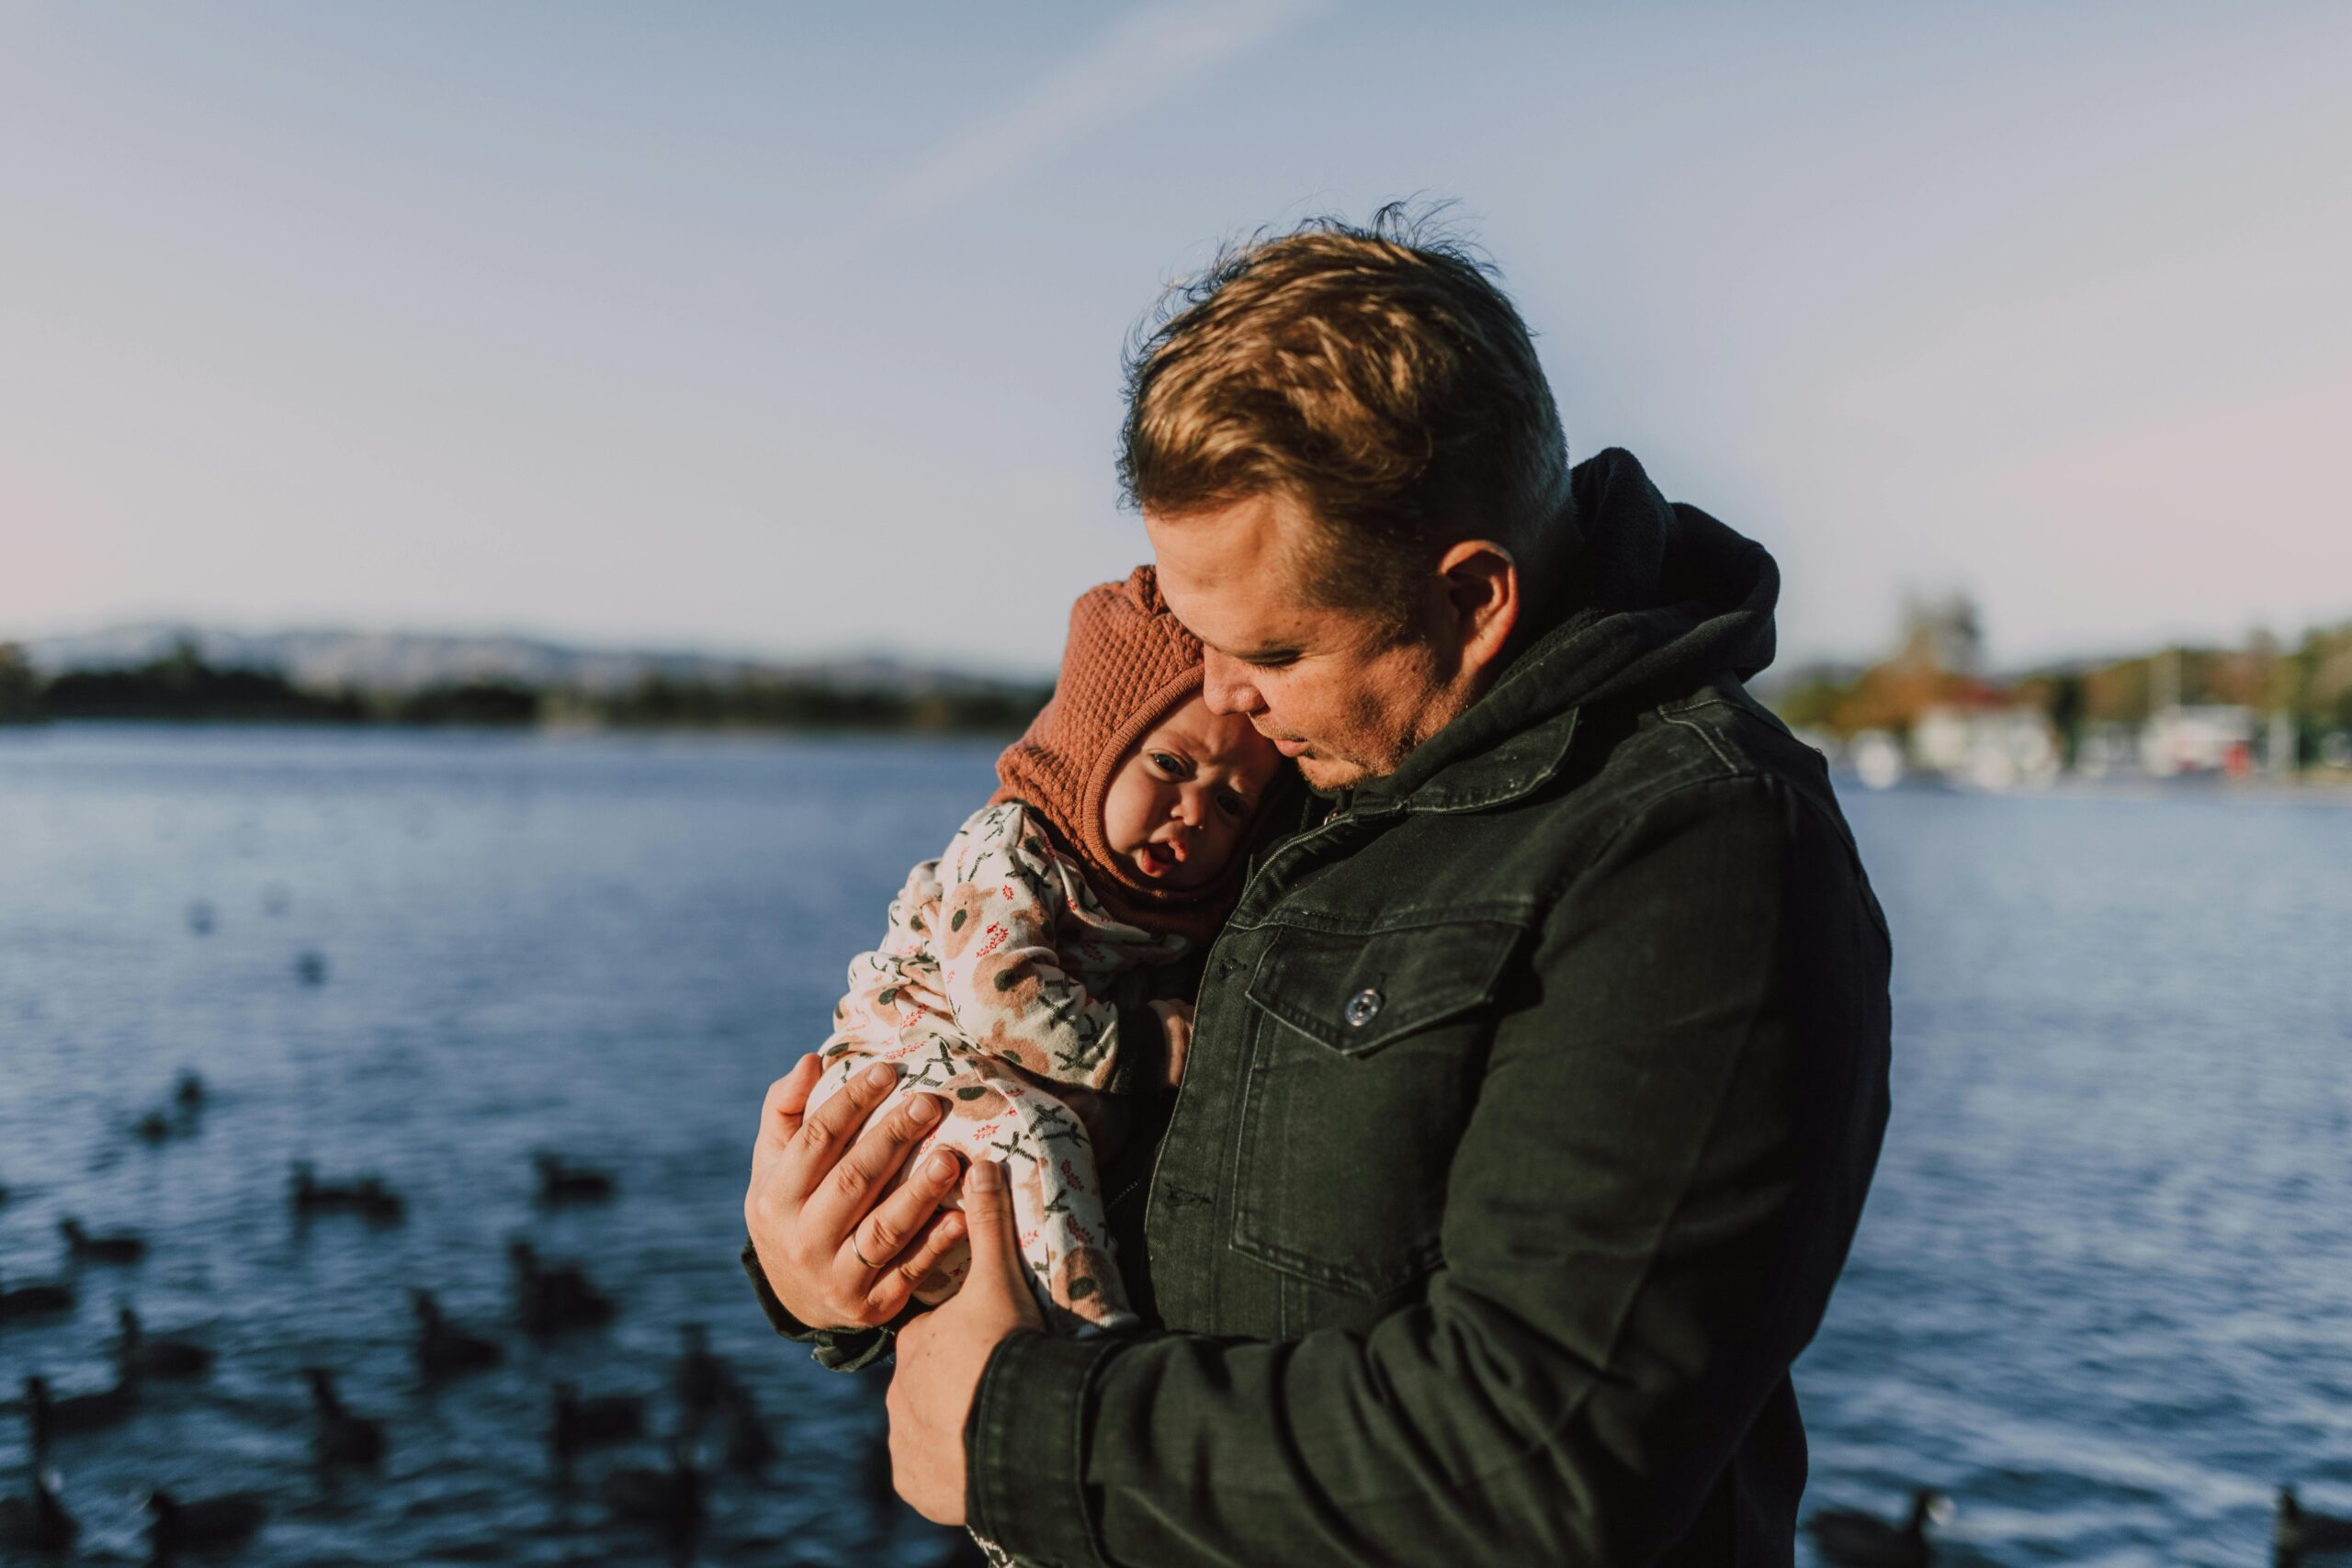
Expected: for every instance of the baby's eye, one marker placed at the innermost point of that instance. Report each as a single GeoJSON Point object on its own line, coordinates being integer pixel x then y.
{"type": "Point", "coordinates": [1166, 762]}
{"type": "Point", "coordinates": [1233, 805]}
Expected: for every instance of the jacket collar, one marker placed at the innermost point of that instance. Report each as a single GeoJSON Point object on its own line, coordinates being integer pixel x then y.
{"type": "Point", "coordinates": [1658, 597]}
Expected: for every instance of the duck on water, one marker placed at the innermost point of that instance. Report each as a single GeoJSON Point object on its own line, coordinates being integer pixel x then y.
{"type": "Point", "coordinates": [1856, 1539]}
{"type": "Point", "coordinates": [122, 1247]}
{"type": "Point", "coordinates": [137, 1356]}
{"type": "Point", "coordinates": [206, 1524]}
{"type": "Point", "coordinates": [38, 1523]}
{"type": "Point", "coordinates": [2297, 1533]}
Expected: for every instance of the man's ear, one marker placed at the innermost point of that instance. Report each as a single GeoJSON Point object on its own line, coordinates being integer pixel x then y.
{"type": "Point", "coordinates": [1482, 600]}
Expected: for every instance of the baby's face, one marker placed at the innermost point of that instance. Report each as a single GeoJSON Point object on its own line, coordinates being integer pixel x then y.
{"type": "Point", "coordinates": [1179, 801]}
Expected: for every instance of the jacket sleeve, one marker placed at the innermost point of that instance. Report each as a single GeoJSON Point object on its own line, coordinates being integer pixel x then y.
{"type": "Point", "coordinates": [835, 1349]}
{"type": "Point", "coordinates": [998, 960]}
{"type": "Point", "coordinates": [1652, 1197]}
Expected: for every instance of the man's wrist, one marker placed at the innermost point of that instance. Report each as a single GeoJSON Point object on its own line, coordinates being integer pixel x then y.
{"type": "Point", "coordinates": [1024, 1460]}
{"type": "Point", "coordinates": [836, 1350]}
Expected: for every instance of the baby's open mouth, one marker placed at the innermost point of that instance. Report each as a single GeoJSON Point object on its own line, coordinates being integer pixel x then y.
{"type": "Point", "coordinates": [1156, 860]}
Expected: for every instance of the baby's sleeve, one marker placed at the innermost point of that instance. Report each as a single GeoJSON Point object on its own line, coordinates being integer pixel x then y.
{"type": "Point", "coordinates": [998, 961]}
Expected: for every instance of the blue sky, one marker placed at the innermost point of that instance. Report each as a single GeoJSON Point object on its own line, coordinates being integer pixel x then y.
{"type": "Point", "coordinates": [797, 330]}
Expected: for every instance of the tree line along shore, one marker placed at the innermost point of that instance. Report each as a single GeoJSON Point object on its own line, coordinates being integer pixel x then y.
{"type": "Point", "coordinates": [183, 688]}
{"type": "Point", "coordinates": [2266, 707]}
{"type": "Point", "coordinates": [2299, 693]}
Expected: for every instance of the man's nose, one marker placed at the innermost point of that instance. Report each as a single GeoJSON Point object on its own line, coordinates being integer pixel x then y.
{"type": "Point", "coordinates": [1224, 688]}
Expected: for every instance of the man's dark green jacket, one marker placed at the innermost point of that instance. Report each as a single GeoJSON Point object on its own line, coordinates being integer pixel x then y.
{"type": "Point", "coordinates": [1534, 1094]}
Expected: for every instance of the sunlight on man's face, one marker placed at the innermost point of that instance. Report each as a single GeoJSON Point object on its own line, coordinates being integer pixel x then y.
{"type": "Point", "coordinates": [1333, 688]}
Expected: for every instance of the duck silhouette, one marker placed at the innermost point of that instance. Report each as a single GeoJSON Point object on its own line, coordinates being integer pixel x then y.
{"type": "Point", "coordinates": [122, 1247]}
{"type": "Point", "coordinates": [310, 967]}
{"type": "Point", "coordinates": [749, 1448]}
{"type": "Point", "coordinates": [154, 1127]}
{"type": "Point", "coordinates": [341, 1438]}
{"type": "Point", "coordinates": [189, 1093]}
{"type": "Point", "coordinates": [443, 1349]}
{"type": "Point", "coordinates": [551, 1299]}
{"type": "Point", "coordinates": [39, 1298]}
{"type": "Point", "coordinates": [2296, 1532]}
{"type": "Point", "coordinates": [1855, 1539]}
{"type": "Point", "coordinates": [703, 1380]}
{"type": "Point", "coordinates": [206, 1524]}
{"type": "Point", "coordinates": [576, 1424]}
{"type": "Point", "coordinates": [669, 1499]}
{"type": "Point", "coordinates": [75, 1414]}
{"type": "Point", "coordinates": [561, 1181]}
{"type": "Point", "coordinates": [366, 1196]}
{"type": "Point", "coordinates": [38, 1523]}
{"type": "Point", "coordinates": [137, 1356]}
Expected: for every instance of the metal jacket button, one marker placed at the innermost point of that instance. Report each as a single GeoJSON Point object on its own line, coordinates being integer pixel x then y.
{"type": "Point", "coordinates": [1362, 1008]}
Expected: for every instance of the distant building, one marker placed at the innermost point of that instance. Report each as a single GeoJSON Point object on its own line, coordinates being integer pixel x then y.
{"type": "Point", "coordinates": [2210, 738]}
{"type": "Point", "coordinates": [2107, 749]}
{"type": "Point", "coordinates": [1986, 745]}
{"type": "Point", "coordinates": [1877, 757]}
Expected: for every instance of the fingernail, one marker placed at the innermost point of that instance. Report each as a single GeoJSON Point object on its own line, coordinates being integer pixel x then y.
{"type": "Point", "coordinates": [987, 1176]}
{"type": "Point", "coordinates": [881, 1074]}
{"type": "Point", "coordinates": [925, 1109]}
{"type": "Point", "coordinates": [942, 1167]}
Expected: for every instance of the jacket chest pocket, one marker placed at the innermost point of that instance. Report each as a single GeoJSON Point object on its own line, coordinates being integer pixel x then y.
{"type": "Point", "coordinates": [1364, 1057]}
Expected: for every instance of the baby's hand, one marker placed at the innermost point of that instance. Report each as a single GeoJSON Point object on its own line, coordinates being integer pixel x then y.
{"type": "Point", "coordinates": [1176, 1022]}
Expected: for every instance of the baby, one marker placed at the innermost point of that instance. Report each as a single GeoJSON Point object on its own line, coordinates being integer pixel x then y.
{"type": "Point", "coordinates": [1115, 840]}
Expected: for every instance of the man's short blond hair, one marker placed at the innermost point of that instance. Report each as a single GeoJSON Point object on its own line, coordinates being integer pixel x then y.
{"type": "Point", "coordinates": [1374, 376]}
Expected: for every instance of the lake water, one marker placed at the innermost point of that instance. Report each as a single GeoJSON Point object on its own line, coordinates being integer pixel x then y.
{"type": "Point", "coordinates": [2102, 1296]}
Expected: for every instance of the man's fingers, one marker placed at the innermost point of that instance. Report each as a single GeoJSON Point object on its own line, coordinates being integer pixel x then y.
{"type": "Point", "coordinates": [930, 1247]}
{"type": "Point", "coordinates": [888, 1231]}
{"type": "Point", "coordinates": [780, 1115]}
{"type": "Point", "coordinates": [821, 1138]}
{"type": "Point", "coordinates": [987, 1214]}
{"type": "Point", "coordinates": [841, 1198]}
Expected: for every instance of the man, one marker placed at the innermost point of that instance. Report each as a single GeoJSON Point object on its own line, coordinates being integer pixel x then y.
{"type": "Point", "coordinates": [1537, 1082]}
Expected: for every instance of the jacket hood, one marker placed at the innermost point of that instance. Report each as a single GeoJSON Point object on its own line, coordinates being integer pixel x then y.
{"type": "Point", "coordinates": [1653, 596]}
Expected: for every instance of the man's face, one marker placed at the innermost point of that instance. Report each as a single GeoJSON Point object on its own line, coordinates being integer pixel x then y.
{"type": "Point", "coordinates": [1341, 690]}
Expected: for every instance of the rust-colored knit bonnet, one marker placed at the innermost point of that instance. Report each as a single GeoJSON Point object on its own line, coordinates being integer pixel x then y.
{"type": "Point", "coordinates": [1127, 665]}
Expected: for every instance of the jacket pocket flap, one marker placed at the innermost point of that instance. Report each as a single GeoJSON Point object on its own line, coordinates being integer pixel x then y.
{"type": "Point", "coordinates": [1356, 993]}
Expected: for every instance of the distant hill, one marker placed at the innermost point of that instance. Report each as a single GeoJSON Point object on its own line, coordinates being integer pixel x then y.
{"type": "Point", "coordinates": [390, 663]}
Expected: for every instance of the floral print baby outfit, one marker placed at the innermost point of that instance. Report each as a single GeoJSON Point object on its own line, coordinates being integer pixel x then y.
{"type": "Point", "coordinates": [991, 987]}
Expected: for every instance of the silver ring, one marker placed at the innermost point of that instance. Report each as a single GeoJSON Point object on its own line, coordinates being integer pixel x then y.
{"type": "Point", "coordinates": [871, 1266]}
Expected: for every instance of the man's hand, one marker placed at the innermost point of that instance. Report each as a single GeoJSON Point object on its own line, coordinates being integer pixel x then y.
{"type": "Point", "coordinates": [832, 1263]}
{"type": "Point", "coordinates": [943, 1353]}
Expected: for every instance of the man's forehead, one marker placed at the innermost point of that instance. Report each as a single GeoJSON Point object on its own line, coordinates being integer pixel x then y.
{"type": "Point", "coordinates": [1228, 573]}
